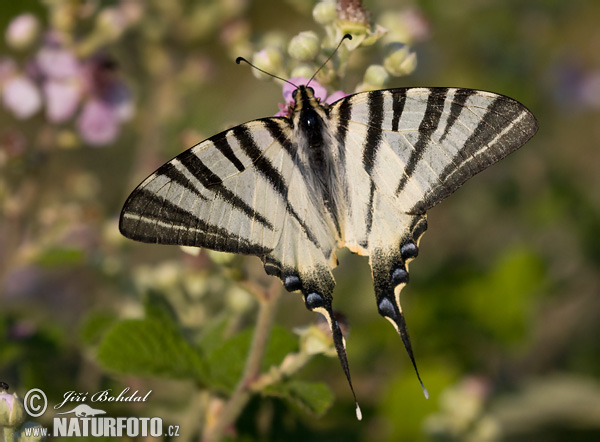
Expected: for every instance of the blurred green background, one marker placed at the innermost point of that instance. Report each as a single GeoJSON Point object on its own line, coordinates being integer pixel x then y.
{"type": "Point", "coordinates": [503, 306]}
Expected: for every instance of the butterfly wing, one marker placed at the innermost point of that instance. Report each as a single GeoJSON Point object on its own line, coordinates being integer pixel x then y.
{"type": "Point", "coordinates": [421, 144]}
{"type": "Point", "coordinates": [241, 192]}
{"type": "Point", "coordinates": [406, 150]}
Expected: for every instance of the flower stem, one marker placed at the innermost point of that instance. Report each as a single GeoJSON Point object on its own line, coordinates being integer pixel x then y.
{"type": "Point", "coordinates": [242, 393]}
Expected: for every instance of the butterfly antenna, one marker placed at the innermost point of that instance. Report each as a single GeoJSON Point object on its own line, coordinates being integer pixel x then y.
{"type": "Point", "coordinates": [345, 37]}
{"type": "Point", "coordinates": [240, 59]}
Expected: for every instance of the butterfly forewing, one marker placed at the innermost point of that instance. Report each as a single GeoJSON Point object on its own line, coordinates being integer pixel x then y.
{"type": "Point", "coordinates": [431, 139]}
{"type": "Point", "coordinates": [213, 195]}
{"type": "Point", "coordinates": [240, 191]}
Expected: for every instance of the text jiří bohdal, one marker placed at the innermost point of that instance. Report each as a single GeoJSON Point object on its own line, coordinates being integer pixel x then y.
{"type": "Point", "coordinates": [103, 396]}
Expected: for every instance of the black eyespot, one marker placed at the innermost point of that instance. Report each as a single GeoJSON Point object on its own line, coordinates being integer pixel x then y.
{"type": "Point", "coordinates": [313, 301]}
{"type": "Point", "coordinates": [409, 251]}
{"type": "Point", "coordinates": [386, 308]}
{"type": "Point", "coordinates": [400, 276]}
{"type": "Point", "coordinates": [292, 283]}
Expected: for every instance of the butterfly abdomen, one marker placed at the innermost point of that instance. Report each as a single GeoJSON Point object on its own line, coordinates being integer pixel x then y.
{"type": "Point", "coordinates": [315, 147]}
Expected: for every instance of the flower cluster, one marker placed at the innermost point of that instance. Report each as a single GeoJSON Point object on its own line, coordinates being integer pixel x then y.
{"type": "Point", "coordinates": [69, 86]}
{"type": "Point", "coordinates": [339, 18]}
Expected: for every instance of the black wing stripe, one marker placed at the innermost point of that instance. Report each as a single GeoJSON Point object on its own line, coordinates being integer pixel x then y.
{"type": "Point", "coordinates": [374, 134]}
{"type": "Point", "coordinates": [370, 148]}
{"type": "Point", "coordinates": [345, 113]}
{"type": "Point", "coordinates": [506, 124]}
{"type": "Point", "coordinates": [457, 106]}
{"type": "Point", "coordinates": [272, 175]}
{"type": "Point", "coordinates": [369, 221]}
{"type": "Point", "coordinates": [212, 182]}
{"type": "Point", "coordinates": [172, 173]}
{"type": "Point", "coordinates": [278, 134]}
{"type": "Point", "coordinates": [487, 129]}
{"type": "Point", "coordinates": [149, 211]}
{"type": "Point", "coordinates": [398, 102]}
{"type": "Point", "coordinates": [429, 123]}
{"type": "Point", "coordinates": [222, 145]}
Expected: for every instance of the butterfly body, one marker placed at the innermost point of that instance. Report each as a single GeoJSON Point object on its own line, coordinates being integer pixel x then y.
{"type": "Point", "coordinates": [359, 173]}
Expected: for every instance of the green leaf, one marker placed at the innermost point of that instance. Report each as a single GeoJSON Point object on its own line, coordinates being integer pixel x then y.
{"type": "Point", "coordinates": [227, 361]}
{"type": "Point", "coordinates": [147, 347]}
{"type": "Point", "coordinates": [281, 343]}
{"type": "Point", "coordinates": [94, 326]}
{"type": "Point", "coordinates": [212, 335]}
{"type": "Point", "coordinates": [403, 398]}
{"type": "Point", "coordinates": [314, 398]}
{"type": "Point", "coordinates": [157, 307]}
{"type": "Point", "coordinates": [502, 299]}
{"type": "Point", "coordinates": [60, 257]}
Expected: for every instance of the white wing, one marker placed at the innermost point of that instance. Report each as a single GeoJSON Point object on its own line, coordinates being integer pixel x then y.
{"type": "Point", "coordinates": [241, 191]}
{"type": "Point", "coordinates": [405, 150]}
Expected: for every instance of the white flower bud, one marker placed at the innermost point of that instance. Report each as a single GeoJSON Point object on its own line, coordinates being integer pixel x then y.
{"type": "Point", "coordinates": [12, 412]}
{"type": "Point", "coordinates": [303, 70]}
{"type": "Point", "coordinates": [304, 46]}
{"type": "Point", "coordinates": [22, 97]}
{"type": "Point", "coordinates": [315, 340]}
{"type": "Point", "coordinates": [111, 22]}
{"type": "Point", "coordinates": [324, 12]}
{"type": "Point", "coordinates": [22, 31]}
{"type": "Point", "coordinates": [376, 76]}
{"type": "Point", "coordinates": [400, 60]}
{"type": "Point", "coordinates": [239, 300]}
{"type": "Point", "coordinates": [270, 60]}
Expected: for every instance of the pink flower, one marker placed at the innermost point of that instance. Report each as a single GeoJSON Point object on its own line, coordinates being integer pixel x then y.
{"type": "Point", "coordinates": [21, 96]}
{"type": "Point", "coordinates": [98, 124]}
{"type": "Point", "coordinates": [109, 105]}
{"type": "Point", "coordinates": [337, 95]}
{"type": "Point", "coordinates": [66, 85]}
{"type": "Point", "coordinates": [57, 63]}
{"type": "Point", "coordinates": [62, 99]}
{"type": "Point", "coordinates": [22, 31]}
{"type": "Point", "coordinates": [104, 83]}
{"type": "Point", "coordinates": [285, 110]}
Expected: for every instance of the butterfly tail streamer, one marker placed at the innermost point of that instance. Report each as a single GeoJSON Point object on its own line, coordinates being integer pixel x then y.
{"type": "Point", "coordinates": [340, 348]}
{"type": "Point", "coordinates": [400, 325]}
{"type": "Point", "coordinates": [390, 274]}
{"type": "Point", "coordinates": [323, 304]}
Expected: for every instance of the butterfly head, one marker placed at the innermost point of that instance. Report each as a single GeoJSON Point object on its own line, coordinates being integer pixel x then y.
{"type": "Point", "coordinates": [304, 99]}
{"type": "Point", "coordinates": [308, 114]}
{"type": "Point", "coordinates": [303, 94]}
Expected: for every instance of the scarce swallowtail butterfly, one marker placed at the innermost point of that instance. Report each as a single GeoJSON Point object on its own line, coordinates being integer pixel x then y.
{"type": "Point", "coordinates": [360, 173]}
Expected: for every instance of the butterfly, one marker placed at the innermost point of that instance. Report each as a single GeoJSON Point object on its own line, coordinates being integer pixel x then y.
{"type": "Point", "coordinates": [360, 173]}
